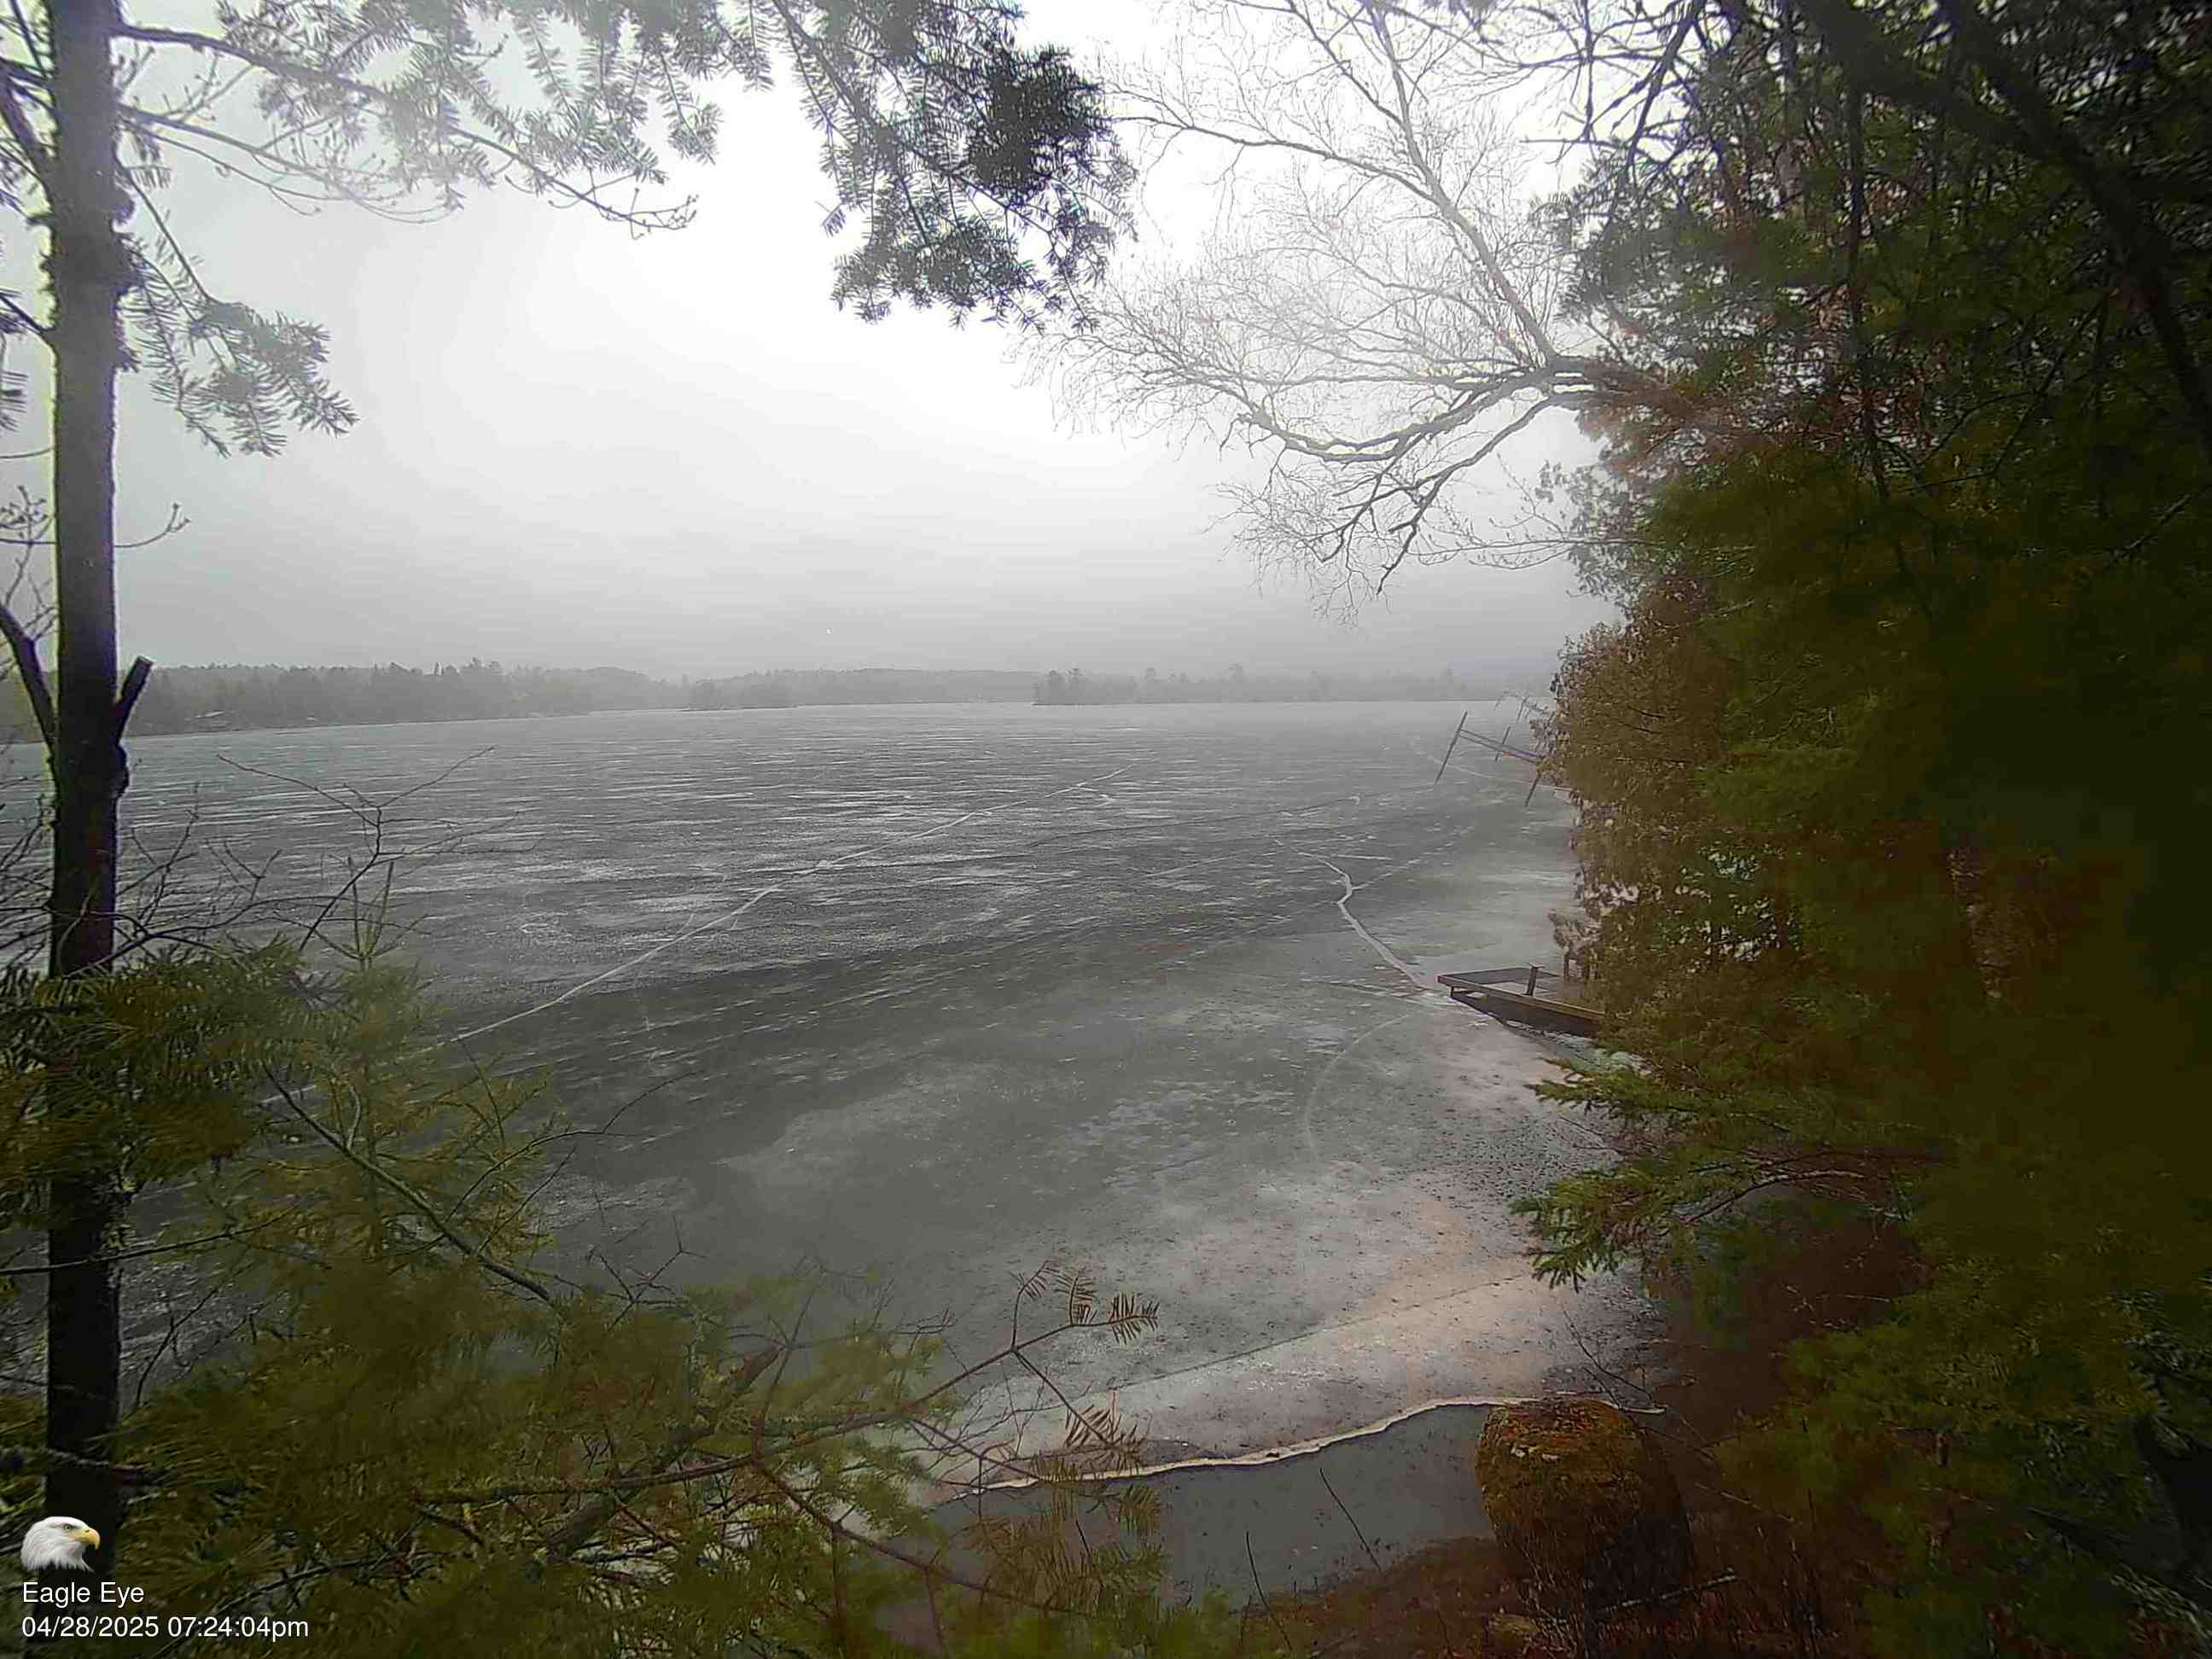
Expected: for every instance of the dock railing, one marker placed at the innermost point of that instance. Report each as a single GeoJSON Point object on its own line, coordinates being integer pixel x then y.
{"type": "Point", "coordinates": [1513, 994]}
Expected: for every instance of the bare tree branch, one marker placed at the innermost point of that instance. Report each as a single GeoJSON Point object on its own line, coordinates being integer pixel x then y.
{"type": "Point", "coordinates": [27, 670]}
{"type": "Point", "coordinates": [1382, 320]}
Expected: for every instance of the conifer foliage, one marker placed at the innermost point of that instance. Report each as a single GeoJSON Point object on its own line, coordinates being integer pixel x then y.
{"type": "Point", "coordinates": [376, 1405]}
{"type": "Point", "coordinates": [1891, 830]}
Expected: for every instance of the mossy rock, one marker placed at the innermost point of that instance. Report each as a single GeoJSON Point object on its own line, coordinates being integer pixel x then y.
{"type": "Point", "coordinates": [1585, 1508]}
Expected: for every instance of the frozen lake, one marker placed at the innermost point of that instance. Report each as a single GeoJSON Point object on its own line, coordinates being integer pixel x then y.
{"type": "Point", "coordinates": [939, 986]}
{"type": "Point", "coordinates": [627, 845]}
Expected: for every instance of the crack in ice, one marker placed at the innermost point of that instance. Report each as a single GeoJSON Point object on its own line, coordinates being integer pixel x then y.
{"type": "Point", "coordinates": [1313, 1095]}
{"type": "Point", "coordinates": [822, 865]}
{"type": "Point", "coordinates": [818, 868]}
{"type": "Point", "coordinates": [1344, 908]}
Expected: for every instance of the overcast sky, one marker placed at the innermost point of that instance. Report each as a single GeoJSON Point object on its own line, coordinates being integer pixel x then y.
{"type": "Point", "coordinates": [674, 454]}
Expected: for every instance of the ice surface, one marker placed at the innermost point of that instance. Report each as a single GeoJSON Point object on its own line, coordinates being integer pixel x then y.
{"type": "Point", "coordinates": [939, 986]}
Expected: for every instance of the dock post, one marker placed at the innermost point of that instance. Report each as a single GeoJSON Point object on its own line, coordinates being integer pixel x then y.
{"type": "Point", "coordinates": [1448, 747]}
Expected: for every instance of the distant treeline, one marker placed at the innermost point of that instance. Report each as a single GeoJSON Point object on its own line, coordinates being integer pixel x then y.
{"type": "Point", "coordinates": [850, 685]}
{"type": "Point", "coordinates": [1076, 687]}
{"type": "Point", "coordinates": [240, 696]}
{"type": "Point", "coordinates": [237, 697]}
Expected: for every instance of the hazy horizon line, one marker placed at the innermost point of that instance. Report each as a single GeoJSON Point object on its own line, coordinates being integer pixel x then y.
{"type": "Point", "coordinates": [523, 666]}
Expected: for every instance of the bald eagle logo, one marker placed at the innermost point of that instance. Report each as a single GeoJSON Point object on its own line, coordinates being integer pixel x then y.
{"type": "Point", "coordinates": [59, 1540]}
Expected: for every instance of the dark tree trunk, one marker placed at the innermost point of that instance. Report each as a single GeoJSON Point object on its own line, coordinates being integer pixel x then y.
{"type": "Point", "coordinates": [2186, 1478]}
{"type": "Point", "coordinates": [89, 269]}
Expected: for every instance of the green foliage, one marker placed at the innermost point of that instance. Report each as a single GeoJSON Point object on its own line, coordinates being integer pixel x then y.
{"type": "Point", "coordinates": [402, 1415]}
{"type": "Point", "coordinates": [985, 173]}
{"type": "Point", "coordinates": [1872, 944]}
{"type": "Point", "coordinates": [151, 1073]}
{"type": "Point", "coordinates": [1891, 829]}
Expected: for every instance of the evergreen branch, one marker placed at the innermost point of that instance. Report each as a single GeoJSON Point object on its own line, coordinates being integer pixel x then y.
{"type": "Point", "coordinates": [282, 167]}
{"type": "Point", "coordinates": [289, 71]}
{"type": "Point", "coordinates": [259, 1595]}
{"type": "Point", "coordinates": [887, 132]}
{"type": "Point", "coordinates": [421, 1206]}
{"type": "Point", "coordinates": [667, 218]}
{"type": "Point", "coordinates": [35, 153]}
{"type": "Point", "coordinates": [171, 1339]}
{"type": "Point", "coordinates": [28, 35]}
{"type": "Point", "coordinates": [929, 1569]}
{"type": "Point", "coordinates": [576, 1533]}
{"type": "Point", "coordinates": [910, 1411]}
{"type": "Point", "coordinates": [166, 1248]}
{"type": "Point", "coordinates": [282, 68]}
{"type": "Point", "coordinates": [907, 1409]}
{"type": "Point", "coordinates": [37, 1459]}
{"type": "Point", "coordinates": [8, 303]}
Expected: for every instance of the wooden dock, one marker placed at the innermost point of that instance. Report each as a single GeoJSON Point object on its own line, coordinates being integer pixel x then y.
{"type": "Point", "coordinates": [1505, 750]}
{"type": "Point", "coordinates": [1510, 993]}
{"type": "Point", "coordinates": [1502, 749]}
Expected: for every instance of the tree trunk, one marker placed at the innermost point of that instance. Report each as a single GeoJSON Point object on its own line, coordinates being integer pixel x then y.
{"type": "Point", "coordinates": [89, 267]}
{"type": "Point", "coordinates": [2186, 1478]}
